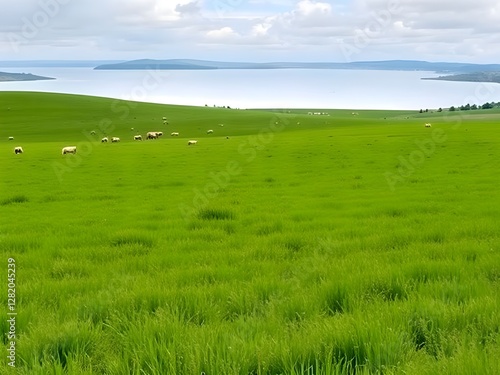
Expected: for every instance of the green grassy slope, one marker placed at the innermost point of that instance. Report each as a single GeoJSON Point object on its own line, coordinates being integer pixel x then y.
{"type": "Point", "coordinates": [64, 117]}
{"type": "Point", "coordinates": [302, 244]}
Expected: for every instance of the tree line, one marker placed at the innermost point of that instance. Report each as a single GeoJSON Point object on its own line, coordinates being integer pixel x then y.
{"type": "Point", "coordinates": [467, 107]}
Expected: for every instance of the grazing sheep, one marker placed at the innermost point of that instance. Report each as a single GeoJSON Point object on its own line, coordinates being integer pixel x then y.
{"type": "Point", "coordinates": [104, 140]}
{"type": "Point", "coordinates": [192, 142]}
{"type": "Point", "coordinates": [92, 132]}
{"type": "Point", "coordinates": [137, 137]}
{"type": "Point", "coordinates": [69, 150]}
{"type": "Point", "coordinates": [151, 135]}
{"type": "Point", "coordinates": [115, 139]}
{"type": "Point", "coordinates": [428, 125]}
{"type": "Point", "coordinates": [210, 131]}
{"type": "Point", "coordinates": [18, 150]}
{"type": "Point", "coordinates": [11, 138]}
{"type": "Point", "coordinates": [131, 129]}
{"type": "Point", "coordinates": [221, 124]}
{"type": "Point", "coordinates": [164, 119]}
{"type": "Point", "coordinates": [174, 134]}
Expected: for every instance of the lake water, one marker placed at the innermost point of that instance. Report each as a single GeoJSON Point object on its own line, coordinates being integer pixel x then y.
{"type": "Point", "coordinates": [290, 88]}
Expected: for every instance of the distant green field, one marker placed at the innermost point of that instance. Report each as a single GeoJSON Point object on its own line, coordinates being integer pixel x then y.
{"type": "Point", "coordinates": [355, 242]}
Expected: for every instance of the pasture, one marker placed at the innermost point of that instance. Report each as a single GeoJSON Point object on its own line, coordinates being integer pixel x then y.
{"type": "Point", "coordinates": [281, 243]}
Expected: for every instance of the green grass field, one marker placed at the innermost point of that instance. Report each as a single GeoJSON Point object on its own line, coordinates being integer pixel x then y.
{"type": "Point", "coordinates": [340, 244]}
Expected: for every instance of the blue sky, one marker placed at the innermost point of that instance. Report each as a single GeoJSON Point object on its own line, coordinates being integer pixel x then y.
{"type": "Point", "coordinates": [252, 30]}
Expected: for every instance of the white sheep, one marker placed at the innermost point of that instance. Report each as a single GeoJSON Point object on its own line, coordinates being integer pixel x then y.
{"type": "Point", "coordinates": [18, 150]}
{"type": "Point", "coordinates": [192, 142]}
{"type": "Point", "coordinates": [69, 150]}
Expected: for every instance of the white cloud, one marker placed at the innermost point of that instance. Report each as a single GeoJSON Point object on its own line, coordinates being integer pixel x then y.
{"type": "Point", "coordinates": [310, 8]}
{"type": "Point", "coordinates": [261, 29]}
{"type": "Point", "coordinates": [309, 14]}
{"type": "Point", "coordinates": [222, 34]}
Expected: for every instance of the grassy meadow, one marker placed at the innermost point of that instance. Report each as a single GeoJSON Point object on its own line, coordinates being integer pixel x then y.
{"type": "Point", "coordinates": [358, 242]}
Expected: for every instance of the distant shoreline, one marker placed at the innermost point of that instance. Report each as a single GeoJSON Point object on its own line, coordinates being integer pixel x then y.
{"type": "Point", "coordinates": [455, 71]}
{"type": "Point", "coordinates": [402, 65]}
{"type": "Point", "coordinates": [16, 77]}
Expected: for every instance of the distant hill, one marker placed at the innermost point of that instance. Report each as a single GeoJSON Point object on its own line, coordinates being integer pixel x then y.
{"type": "Point", "coordinates": [407, 65]}
{"type": "Point", "coordinates": [7, 77]}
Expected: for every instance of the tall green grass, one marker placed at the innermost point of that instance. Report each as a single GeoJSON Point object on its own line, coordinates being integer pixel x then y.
{"type": "Point", "coordinates": [303, 262]}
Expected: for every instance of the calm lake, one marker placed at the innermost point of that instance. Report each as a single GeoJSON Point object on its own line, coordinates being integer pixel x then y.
{"type": "Point", "coordinates": [286, 88]}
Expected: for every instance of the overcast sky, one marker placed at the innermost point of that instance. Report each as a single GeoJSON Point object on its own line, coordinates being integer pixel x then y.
{"type": "Point", "coordinates": [251, 30]}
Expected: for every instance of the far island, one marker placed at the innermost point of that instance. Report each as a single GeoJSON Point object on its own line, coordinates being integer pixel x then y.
{"type": "Point", "coordinates": [10, 77]}
{"type": "Point", "coordinates": [493, 77]}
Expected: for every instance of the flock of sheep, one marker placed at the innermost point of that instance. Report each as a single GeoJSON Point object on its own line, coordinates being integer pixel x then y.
{"type": "Point", "coordinates": [149, 135]}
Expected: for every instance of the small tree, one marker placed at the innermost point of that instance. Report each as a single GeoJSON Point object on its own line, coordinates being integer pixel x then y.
{"type": "Point", "coordinates": [452, 109]}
